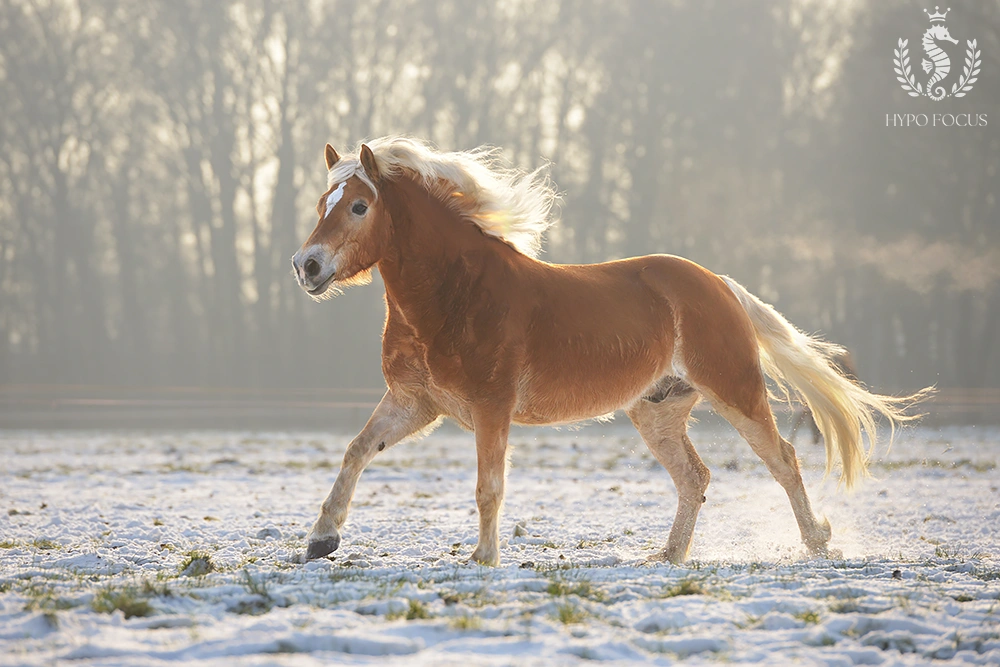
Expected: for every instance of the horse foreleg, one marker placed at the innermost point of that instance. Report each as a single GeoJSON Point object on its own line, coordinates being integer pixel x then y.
{"type": "Point", "coordinates": [392, 421]}
{"type": "Point", "coordinates": [491, 455]}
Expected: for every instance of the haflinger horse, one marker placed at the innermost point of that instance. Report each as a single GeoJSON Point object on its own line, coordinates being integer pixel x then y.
{"type": "Point", "coordinates": [481, 331]}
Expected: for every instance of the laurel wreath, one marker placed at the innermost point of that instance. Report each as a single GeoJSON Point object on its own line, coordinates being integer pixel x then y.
{"type": "Point", "coordinates": [909, 83]}
{"type": "Point", "coordinates": [970, 72]}
{"type": "Point", "coordinates": [906, 79]}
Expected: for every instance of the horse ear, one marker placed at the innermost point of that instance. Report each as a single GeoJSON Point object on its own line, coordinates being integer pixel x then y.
{"type": "Point", "coordinates": [331, 157]}
{"type": "Point", "coordinates": [368, 162]}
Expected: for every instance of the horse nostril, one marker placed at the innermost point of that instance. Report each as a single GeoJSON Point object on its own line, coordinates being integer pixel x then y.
{"type": "Point", "coordinates": [311, 268]}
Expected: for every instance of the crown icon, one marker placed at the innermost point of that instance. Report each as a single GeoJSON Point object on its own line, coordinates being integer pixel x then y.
{"type": "Point", "coordinates": [938, 16]}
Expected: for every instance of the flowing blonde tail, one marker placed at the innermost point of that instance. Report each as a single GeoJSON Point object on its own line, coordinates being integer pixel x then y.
{"type": "Point", "coordinates": [842, 408]}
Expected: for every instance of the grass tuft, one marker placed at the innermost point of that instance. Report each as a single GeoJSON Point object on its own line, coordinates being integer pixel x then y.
{"type": "Point", "coordinates": [584, 589]}
{"type": "Point", "coordinates": [44, 544]}
{"type": "Point", "coordinates": [685, 587]}
{"type": "Point", "coordinates": [152, 589]}
{"type": "Point", "coordinates": [749, 621]}
{"type": "Point", "coordinates": [985, 574]}
{"type": "Point", "coordinates": [569, 614]}
{"type": "Point", "coordinates": [417, 611]}
{"type": "Point", "coordinates": [466, 622]}
{"type": "Point", "coordinates": [847, 604]}
{"type": "Point", "coordinates": [43, 598]}
{"type": "Point", "coordinates": [255, 586]}
{"type": "Point", "coordinates": [127, 600]}
{"type": "Point", "coordinates": [196, 564]}
{"type": "Point", "coordinates": [261, 601]}
{"type": "Point", "coordinates": [808, 617]}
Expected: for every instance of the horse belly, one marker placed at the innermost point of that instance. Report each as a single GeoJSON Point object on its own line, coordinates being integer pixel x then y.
{"type": "Point", "coordinates": [594, 351]}
{"type": "Point", "coordinates": [545, 397]}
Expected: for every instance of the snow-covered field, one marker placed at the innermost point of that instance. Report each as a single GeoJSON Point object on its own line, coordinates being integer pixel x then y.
{"type": "Point", "coordinates": [184, 547]}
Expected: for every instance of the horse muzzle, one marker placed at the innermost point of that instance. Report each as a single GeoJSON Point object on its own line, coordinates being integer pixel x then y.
{"type": "Point", "coordinates": [314, 269]}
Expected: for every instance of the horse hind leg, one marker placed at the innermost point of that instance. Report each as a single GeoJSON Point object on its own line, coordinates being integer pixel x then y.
{"type": "Point", "coordinates": [759, 430]}
{"type": "Point", "coordinates": [662, 421]}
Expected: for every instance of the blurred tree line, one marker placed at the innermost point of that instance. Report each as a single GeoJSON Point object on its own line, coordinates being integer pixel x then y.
{"type": "Point", "coordinates": [159, 163]}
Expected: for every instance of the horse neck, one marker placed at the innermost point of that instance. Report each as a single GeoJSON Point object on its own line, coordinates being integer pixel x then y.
{"type": "Point", "coordinates": [429, 242]}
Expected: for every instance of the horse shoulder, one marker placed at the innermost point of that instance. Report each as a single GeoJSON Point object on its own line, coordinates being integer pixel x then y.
{"type": "Point", "coordinates": [456, 340]}
{"type": "Point", "coordinates": [404, 364]}
{"type": "Point", "coordinates": [477, 346]}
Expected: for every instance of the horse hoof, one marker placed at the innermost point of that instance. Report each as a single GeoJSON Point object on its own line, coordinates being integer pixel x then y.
{"type": "Point", "coordinates": [487, 559]}
{"type": "Point", "coordinates": [823, 551]}
{"type": "Point", "coordinates": [666, 556]}
{"type": "Point", "coordinates": [324, 547]}
{"type": "Point", "coordinates": [829, 554]}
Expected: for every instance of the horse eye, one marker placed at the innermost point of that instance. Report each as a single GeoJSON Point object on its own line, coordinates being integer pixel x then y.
{"type": "Point", "coordinates": [359, 209]}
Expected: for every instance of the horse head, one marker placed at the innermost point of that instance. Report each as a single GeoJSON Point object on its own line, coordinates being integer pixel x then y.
{"type": "Point", "coordinates": [353, 229]}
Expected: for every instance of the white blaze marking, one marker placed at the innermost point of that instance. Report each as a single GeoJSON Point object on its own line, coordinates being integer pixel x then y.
{"type": "Point", "coordinates": [334, 197]}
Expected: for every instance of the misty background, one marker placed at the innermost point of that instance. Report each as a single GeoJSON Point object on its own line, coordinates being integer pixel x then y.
{"type": "Point", "coordinates": [160, 163]}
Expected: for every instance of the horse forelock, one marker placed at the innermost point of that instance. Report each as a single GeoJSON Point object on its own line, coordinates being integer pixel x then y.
{"type": "Point", "coordinates": [344, 169]}
{"type": "Point", "coordinates": [510, 204]}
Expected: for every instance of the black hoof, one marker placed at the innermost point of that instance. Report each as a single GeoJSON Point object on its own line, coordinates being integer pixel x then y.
{"type": "Point", "coordinates": [320, 548]}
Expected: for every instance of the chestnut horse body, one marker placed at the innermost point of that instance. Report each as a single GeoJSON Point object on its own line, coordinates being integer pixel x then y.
{"type": "Point", "coordinates": [480, 331]}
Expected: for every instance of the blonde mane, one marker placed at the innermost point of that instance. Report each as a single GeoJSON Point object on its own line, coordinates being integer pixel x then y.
{"type": "Point", "coordinates": [510, 204]}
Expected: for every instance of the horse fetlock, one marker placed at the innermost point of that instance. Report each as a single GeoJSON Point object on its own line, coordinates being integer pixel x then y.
{"type": "Point", "coordinates": [337, 518]}
{"type": "Point", "coordinates": [817, 541]}
{"type": "Point", "coordinates": [486, 555]}
{"type": "Point", "coordinates": [678, 546]}
{"type": "Point", "coordinates": [333, 513]}
{"type": "Point", "coordinates": [677, 556]}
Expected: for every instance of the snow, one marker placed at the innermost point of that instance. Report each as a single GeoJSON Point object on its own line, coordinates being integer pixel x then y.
{"type": "Point", "coordinates": [88, 517]}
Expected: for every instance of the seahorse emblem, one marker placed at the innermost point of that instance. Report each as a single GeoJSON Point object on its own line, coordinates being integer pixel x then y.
{"type": "Point", "coordinates": [939, 61]}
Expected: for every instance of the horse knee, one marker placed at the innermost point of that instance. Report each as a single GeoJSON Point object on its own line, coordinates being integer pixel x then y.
{"type": "Point", "coordinates": [489, 494]}
{"type": "Point", "coordinates": [358, 454]}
